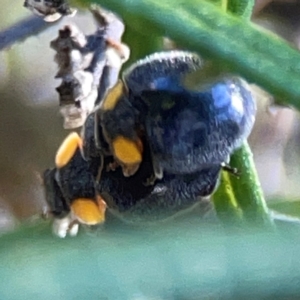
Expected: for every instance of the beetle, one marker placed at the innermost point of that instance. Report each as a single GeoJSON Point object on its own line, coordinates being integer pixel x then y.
{"type": "Point", "coordinates": [153, 147]}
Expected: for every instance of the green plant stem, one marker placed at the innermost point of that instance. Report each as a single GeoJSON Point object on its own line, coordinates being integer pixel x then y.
{"type": "Point", "coordinates": [242, 8]}
{"type": "Point", "coordinates": [255, 54]}
{"type": "Point", "coordinates": [225, 204]}
{"type": "Point", "coordinates": [247, 189]}
{"type": "Point", "coordinates": [224, 5]}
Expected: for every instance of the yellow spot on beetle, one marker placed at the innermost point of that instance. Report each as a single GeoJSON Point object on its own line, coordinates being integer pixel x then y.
{"type": "Point", "coordinates": [127, 151]}
{"type": "Point", "coordinates": [67, 149]}
{"type": "Point", "coordinates": [113, 96]}
{"type": "Point", "coordinates": [88, 211]}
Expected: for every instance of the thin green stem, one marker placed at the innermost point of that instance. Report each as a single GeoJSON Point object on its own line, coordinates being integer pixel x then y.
{"type": "Point", "coordinates": [242, 8]}
{"type": "Point", "coordinates": [225, 203]}
{"type": "Point", "coordinates": [224, 5]}
{"type": "Point", "coordinates": [247, 189]}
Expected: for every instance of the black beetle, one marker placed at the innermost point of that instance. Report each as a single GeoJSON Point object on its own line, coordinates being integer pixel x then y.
{"type": "Point", "coordinates": [154, 147]}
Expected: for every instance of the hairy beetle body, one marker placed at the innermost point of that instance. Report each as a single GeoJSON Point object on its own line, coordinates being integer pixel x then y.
{"type": "Point", "coordinates": [153, 147]}
{"type": "Point", "coordinates": [186, 130]}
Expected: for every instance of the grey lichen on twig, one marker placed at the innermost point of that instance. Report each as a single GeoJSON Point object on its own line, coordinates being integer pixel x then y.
{"type": "Point", "coordinates": [50, 10]}
{"type": "Point", "coordinates": [88, 65]}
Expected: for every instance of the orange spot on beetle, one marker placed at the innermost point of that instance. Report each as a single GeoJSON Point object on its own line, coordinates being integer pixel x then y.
{"type": "Point", "coordinates": [113, 96]}
{"type": "Point", "coordinates": [89, 212]}
{"type": "Point", "coordinates": [128, 154]}
{"type": "Point", "coordinates": [127, 151]}
{"type": "Point", "coordinates": [67, 149]}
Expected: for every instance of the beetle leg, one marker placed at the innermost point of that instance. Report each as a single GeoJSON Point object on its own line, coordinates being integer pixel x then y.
{"type": "Point", "coordinates": [150, 180]}
{"type": "Point", "coordinates": [61, 227]}
{"type": "Point", "coordinates": [112, 166]}
{"type": "Point", "coordinates": [157, 173]}
{"type": "Point", "coordinates": [73, 228]}
{"type": "Point", "coordinates": [157, 169]}
{"type": "Point", "coordinates": [230, 170]}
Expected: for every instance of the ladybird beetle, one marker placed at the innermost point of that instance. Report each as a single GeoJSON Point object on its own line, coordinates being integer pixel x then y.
{"type": "Point", "coordinates": [153, 148]}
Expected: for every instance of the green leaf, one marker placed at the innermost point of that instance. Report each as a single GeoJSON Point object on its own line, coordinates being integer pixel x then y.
{"type": "Point", "coordinates": [291, 208]}
{"type": "Point", "coordinates": [237, 45]}
{"type": "Point", "coordinates": [141, 44]}
{"type": "Point", "coordinates": [241, 8]}
{"type": "Point", "coordinates": [179, 261]}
